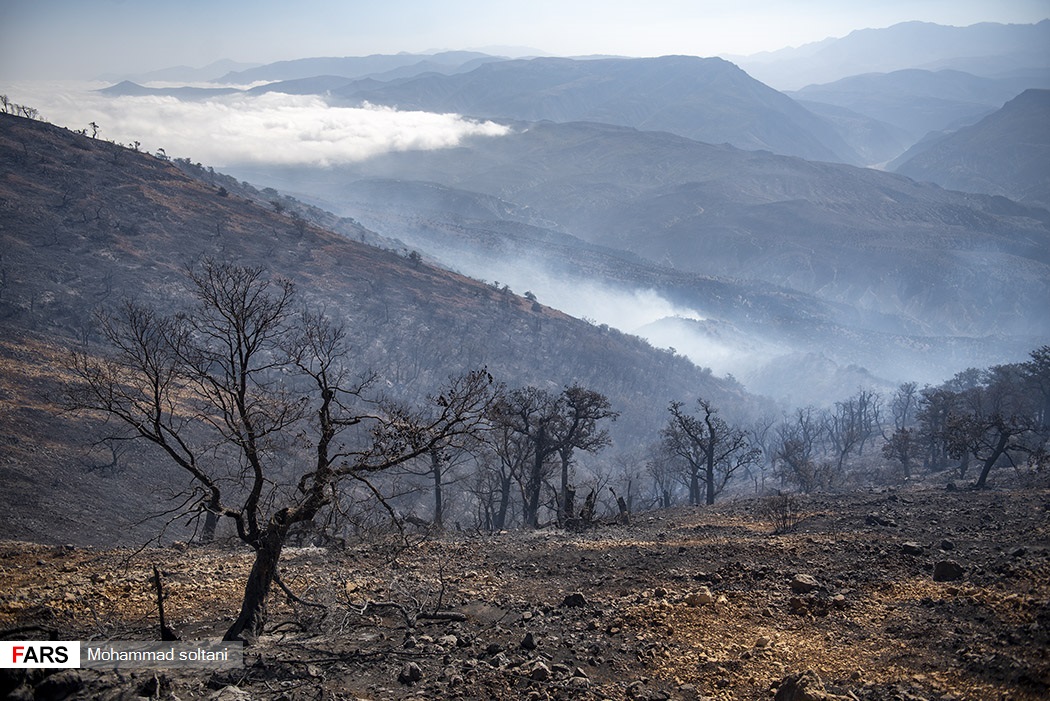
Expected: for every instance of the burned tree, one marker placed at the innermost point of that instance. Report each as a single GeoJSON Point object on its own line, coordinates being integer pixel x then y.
{"type": "Point", "coordinates": [258, 403]}
{"type": "Point", "coordinates": [995, 420]}
{"type": "Point", "coordinates": [798, 444]}
{"type": "Point", "coordinates": [711, 450]}
{"type": "Point", "coordinates": [552, 425]}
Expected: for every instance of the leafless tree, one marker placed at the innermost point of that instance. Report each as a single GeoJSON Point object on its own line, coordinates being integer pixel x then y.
{"type": "Point", "coordinates": [904, 405]}
{"type": "Point", "coordinates": [901, 447]}
{"type": "Point", "coordinates": [711, 449]}
{"type": "Point", "coordinates": [554, 426]}
{"type": "Point", "coordinates": [259, 404]}
{"type": "Point", "coordinates": [995, 419]}
{"type": "Point", "coordinates": [799, 445]}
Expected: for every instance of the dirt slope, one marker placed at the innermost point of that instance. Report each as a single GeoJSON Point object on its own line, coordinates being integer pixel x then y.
{"type": "Point", "coordinates": [683, 604]}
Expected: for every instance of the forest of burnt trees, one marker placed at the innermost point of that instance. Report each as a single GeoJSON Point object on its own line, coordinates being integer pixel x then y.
{"type": "Point", "coordinates": [261, 404]}
{"type": "Point", "coordinates": [539, 455]}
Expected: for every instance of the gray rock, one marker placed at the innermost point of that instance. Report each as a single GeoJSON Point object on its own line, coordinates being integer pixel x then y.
{"type": "Point", "coordinates": [947, 571]}
{"type": "Point", "coordinates": [410, 673]}
{"type": "Point", "coordinates": [804, 687]}
{"type": "Point", "coordinates": [700, 597]}
{"type": "Point", "coordinates": [561, 671]}
{"type": "Point", "coordinates": [877, 520]}
{"type": "Point", "coordinates": [230, 693]}
{"type": "Point", "coordinates": [575, 600]}
{"type": "Point", "coordinates": [529, 642]}
{"type": "Point", "coordinates": [912, 548]}
{"type": "Point", "coordinates": [804, 583]}
{"type": "Point", "coordinates": [540, 672]}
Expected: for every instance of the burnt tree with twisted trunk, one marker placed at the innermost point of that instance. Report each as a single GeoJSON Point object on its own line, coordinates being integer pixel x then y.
{"type": "Point", "coordinates": [259, 403]}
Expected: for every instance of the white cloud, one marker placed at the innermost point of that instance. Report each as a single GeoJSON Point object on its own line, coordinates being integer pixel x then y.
{"type": "Point", "coordinates": [242, 129]}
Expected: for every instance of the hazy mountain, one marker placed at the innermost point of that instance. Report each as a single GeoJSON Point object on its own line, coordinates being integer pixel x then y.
{"type": "Point", "coordinates": [184, 74]}
{"type": "Point", "coordinates": [85, 223]}
{"type": "Point", "coordinates": [1006, 153]}
{"type": "Point", "coordinates": [986, 49]}
{"type": "Point", "coordinates": [746, 327]}
{"type": "Point", "coordinates": [904, 256]}
{"type": "Point", "coordinates": [351, 67]}
{"type": "Point", "coordinates": [127, 88]}
{"type": "Point", "coordinates": [707, 99]}
{"type": "Point", "coordinates": [875, 141]}
{"type": "Point", "coordinates": [919, 101]}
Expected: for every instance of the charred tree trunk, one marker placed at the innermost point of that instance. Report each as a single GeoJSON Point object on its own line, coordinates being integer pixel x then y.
{"type": "Point", "coordinates": [252, 618]}
{"type": "Point", "coordinates": [211, 522]}
{"type": "Point", "coordinates": [504, 504]}
{"type": "Point", "coordinates": [989, 463]}
{"type": "Point", "coordinates": [532, 497]}
{"type": "Point", "coordinates": [435, 470]}
{"type": "Point", "coordinates": [568, 505]}
{"type": "Point", "coordinates": [166, 633]}
{"type": "Point", "coordinates": [694, 486]}
{"type": "Point", "coordinates": [568, 495]}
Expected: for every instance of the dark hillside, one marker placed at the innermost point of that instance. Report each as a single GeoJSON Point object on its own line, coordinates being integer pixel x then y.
{"type": "Point", "coordinates": [85, 223]}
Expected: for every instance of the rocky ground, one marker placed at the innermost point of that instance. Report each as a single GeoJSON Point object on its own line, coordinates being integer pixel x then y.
{"type": "Point", "coordinates": [911, 594]}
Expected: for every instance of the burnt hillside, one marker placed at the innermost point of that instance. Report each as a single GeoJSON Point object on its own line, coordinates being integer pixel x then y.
{"type": "Point", "coordinates": [85, 223]}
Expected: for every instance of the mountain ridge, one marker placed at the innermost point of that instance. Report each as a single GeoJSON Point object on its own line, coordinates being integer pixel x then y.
{"type": "Point", "coordinates": [1007, 153]}
{"type": "Point", "coordinates": [924, 45]}
{"type": "Point", "coordinates": [716, 210]}
{"type": "Point", "coordinates": [707, 99]}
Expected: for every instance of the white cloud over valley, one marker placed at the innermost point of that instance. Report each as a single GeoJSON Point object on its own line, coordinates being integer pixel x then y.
{"type": "Point", "coordinates": [271, 128]}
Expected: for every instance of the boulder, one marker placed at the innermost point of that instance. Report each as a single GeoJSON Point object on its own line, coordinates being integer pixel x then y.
{"type": "Point", "coordinates": [947, 571]}
{"type": "Point", "coordinates": [804, 583]}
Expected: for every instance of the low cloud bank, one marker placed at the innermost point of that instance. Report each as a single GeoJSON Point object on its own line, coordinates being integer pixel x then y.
{"type": "Point", "coordinates": [271, 128]}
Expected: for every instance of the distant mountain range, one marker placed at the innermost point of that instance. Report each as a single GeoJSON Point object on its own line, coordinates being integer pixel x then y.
{"type": "Point", "coordinates": [380, 66]}
{"type": "Point", "coordinates": [1007, 153]}
{"type": "Point", "coordinates": [708, 100]}
{"type": "Point", "coordinates": [863, 99]}
{"type": "Point", "coordinates": [985, 49]}
{"type": "Point", "coordinates": [184, 74]}
{"type": "Point", "coordinates": [918, 101]}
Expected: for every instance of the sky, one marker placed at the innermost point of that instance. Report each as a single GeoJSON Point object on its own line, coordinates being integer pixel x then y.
{"type": "Point", "coordinates": [85, 39]}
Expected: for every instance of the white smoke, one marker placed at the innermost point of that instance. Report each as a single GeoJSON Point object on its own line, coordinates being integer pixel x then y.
{"type": "Point", "coordinates": [271, 128]}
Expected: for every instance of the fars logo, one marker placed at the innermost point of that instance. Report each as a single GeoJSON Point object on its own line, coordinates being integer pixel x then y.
{"type": "Point", "coordinates": [26, 654]}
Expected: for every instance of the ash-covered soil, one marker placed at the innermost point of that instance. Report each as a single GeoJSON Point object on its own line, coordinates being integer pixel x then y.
{"type": "Point", "coordinates": [689, 603]}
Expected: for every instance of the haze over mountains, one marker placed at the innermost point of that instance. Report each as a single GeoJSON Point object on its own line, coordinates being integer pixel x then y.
{"type": "Point", "coordinates": [1006, 153]}
{"type": "Point", "coordinates": [735, 209]}
{"type": "Point", "coordinates": [985, 49]}
{"type": "Point", "coordinates": [728, 217]}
